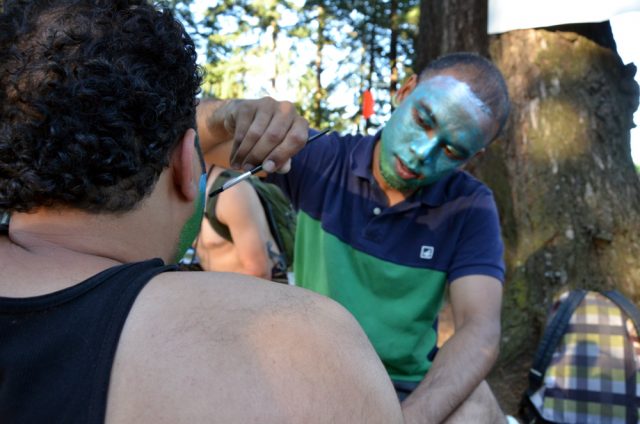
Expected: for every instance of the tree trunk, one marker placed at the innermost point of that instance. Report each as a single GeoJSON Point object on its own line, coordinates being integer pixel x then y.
{"type": "Point", "coordinates": [450, 26]}
{"type": "Point", "coordinates": [562, 173]}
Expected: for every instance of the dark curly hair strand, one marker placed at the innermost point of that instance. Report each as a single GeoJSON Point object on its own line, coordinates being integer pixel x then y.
{"type": "Point", "coordinates": [94, 96]}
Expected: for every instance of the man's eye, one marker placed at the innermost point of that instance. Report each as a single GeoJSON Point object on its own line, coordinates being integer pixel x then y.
{"type": "Point", "coordinates": [427, 126]}
{"type": "Point", "coordinates": [452, 153]}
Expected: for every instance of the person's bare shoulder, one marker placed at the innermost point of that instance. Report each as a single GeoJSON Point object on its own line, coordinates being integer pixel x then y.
{"type": "Point", "coordinates": [214, 347]}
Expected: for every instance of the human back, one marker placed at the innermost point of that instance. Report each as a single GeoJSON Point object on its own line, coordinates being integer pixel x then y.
{"type": "Point", "coordinates": [244, 246]}
{"type": "Point", "coordinates": [100, 173]}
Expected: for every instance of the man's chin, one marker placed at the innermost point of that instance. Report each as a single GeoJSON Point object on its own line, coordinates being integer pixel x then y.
{"type": "Point", "coordinates": [396, 182]}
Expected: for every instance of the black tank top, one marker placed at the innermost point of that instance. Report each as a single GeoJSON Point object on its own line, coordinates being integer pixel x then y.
{"type": "Point", "coordinates": [57, 350]}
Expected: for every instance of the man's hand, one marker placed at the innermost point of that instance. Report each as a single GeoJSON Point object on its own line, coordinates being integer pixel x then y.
{"type": "Point", "coordinates": [263, 131]}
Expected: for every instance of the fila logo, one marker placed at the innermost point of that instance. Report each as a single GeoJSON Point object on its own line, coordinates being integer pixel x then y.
{"type": "Point", "coordinates": [426, 252]}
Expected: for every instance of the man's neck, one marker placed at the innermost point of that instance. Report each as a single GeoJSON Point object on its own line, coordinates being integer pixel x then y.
{"type": "Point", "coordinates": [394, 196]}
{"type": "Point", "coordinates": [70, 232]}
{"type": "Point", "coordinates": [147, 231]}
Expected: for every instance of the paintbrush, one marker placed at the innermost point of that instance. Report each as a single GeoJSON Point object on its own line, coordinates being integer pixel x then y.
{"type": "Point", "coordinates": [255, 170]}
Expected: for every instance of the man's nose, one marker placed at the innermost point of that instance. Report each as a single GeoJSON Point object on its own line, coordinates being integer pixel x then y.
{"type": "Point", "coordinates": [423, 149]}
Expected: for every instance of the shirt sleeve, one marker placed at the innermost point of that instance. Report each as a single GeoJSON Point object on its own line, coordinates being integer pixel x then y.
{"type": "Point", "coordinates": [479, 248]}
{"type": "Point", "coordinates": [309, 167]}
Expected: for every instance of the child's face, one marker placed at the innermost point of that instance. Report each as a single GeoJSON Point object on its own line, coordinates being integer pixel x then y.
{"type": "Point", "coordinates": [437, 128]}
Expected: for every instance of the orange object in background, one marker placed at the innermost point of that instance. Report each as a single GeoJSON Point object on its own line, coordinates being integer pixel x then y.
{"type": "Point", "coordinates": [367, 104]}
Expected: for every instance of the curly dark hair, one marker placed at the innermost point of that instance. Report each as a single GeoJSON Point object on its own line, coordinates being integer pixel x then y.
{"type": "Point", "coordinates": [94, 97]}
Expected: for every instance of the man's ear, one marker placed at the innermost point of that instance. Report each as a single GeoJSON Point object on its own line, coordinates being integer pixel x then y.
{"type": "Point", "coordinates": [183, 170]}
{"type": "Point", "coordinates": [406, 88]}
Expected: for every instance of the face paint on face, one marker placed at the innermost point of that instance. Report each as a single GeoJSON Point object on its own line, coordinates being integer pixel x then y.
{"type": "Point", "coordinates": [436, 129]}
{"type": "Point", "coordinates": [191, 228]}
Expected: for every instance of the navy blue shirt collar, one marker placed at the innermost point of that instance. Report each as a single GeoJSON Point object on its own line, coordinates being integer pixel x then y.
{"type": "Point", "coordinates": [361, 164]}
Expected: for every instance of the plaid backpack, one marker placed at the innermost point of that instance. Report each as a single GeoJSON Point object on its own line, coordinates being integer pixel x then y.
{"type": "Point", "coordinates": [587, 366]}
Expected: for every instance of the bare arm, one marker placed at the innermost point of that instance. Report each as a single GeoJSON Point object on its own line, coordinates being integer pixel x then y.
{"type": "Point", "coordinates": [467, 357]}
{"type": "Point", "coordinates": [240, 210]}
{"type": "Point", "coordinates": [239, 133]}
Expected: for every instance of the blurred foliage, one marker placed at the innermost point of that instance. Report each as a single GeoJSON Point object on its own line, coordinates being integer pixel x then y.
{"type": "Point", "coordinates": [322, 55]}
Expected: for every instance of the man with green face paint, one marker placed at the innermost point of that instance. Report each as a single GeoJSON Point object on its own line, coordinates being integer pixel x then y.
{"type": "Point", "coordinates": [387, 222]}
{"type": "Point", "coordinates": [418, 149]}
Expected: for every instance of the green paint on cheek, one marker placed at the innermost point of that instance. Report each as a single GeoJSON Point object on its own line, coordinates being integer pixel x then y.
{"type": "Point", "coordinates": [386, 170]}
{"type": "Point", "coordinates": [191, 228]}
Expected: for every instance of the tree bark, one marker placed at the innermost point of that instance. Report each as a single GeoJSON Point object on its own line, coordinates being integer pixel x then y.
{"type": "Point", "coordinates": [450, 26]}
{"type": "Point", "coordinates": [563, 175]}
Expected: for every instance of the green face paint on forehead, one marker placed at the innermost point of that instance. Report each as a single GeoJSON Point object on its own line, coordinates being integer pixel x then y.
{"type": "Point", "coordinates": [436, 129]}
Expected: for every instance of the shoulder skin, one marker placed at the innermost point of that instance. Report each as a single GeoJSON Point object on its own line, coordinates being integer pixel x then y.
{"type": "Point", "coordinates": [216, 347]}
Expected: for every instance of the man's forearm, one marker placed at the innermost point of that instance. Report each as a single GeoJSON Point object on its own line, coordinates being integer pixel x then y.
{"type": "Point", "coordinates": [459, 367]}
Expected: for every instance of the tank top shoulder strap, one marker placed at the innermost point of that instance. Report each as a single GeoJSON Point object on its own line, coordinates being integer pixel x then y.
{"type": "Point", "coordinates": [124, 284]}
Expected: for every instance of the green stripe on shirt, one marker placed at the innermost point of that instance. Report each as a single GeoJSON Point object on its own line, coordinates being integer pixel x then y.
{"type": "Point", "coordinates": [395, 304]}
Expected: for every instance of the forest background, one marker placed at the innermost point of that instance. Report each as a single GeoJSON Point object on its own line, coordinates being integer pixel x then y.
{"type": "Point", "coordinates": [325, 57]}
{"type": "Point", "coordinates": [562, 173]}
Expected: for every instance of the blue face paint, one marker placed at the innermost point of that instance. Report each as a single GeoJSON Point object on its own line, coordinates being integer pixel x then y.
{"type": "Point", "coordinates": [436, 129]}
{"type": "Point", "coordinates": [191, 228]}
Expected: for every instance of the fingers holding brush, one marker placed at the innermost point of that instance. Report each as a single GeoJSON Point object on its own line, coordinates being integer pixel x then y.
{"type": "Point", "coordinates": [267, 132]}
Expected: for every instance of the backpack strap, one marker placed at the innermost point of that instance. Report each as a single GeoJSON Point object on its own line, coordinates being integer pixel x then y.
{"type": "Point", "coordinates": [625, 304]}
{"type": "Point", "coordinates": [271, 220]}
{"type": "Point", "coordinates": [630, 368]}
{"type": "Point", "coordinates": [281, 261]}
{"type": "Point", "coordinates": [552, 336]}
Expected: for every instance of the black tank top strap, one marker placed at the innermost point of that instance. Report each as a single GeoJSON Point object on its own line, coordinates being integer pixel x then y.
{"type": "Point", "coordinates": [139, 274]}
{"type": "Point", "coordinates": [57, 350]}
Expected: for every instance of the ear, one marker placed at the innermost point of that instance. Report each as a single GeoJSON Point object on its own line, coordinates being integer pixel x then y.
{"type": "Point", "coordinates": [185, 177]}
{"type": "Point", "coordinates": [406, 88]}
